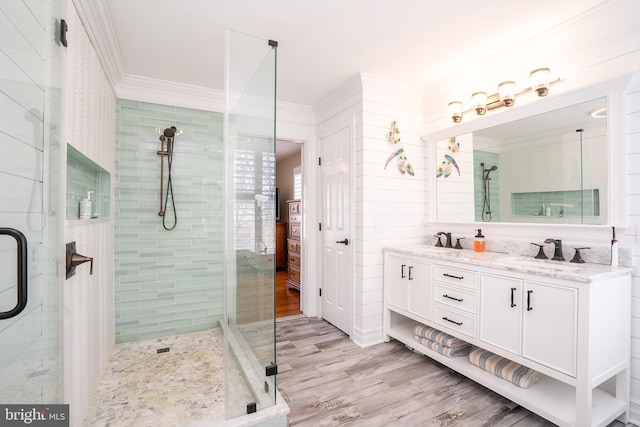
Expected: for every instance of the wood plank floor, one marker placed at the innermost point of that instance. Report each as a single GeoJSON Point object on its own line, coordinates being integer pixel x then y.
{"type": "Point", "coordinates": [287, 300]}
{"type": "Point", "coordinates": [327, 380]}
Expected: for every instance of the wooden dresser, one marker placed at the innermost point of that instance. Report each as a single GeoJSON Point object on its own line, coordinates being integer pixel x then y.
{"type": "Point", "coordinates": [293, 243]}
{"type": "Point", "coordinates": [281, 245]}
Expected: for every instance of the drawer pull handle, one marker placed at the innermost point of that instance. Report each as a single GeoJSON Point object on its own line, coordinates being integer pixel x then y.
{"type": "Point", "coordinates": [453, 298]}
{"type": "Point", "coordinates": [453, 277]}
{"type": "Point", "coordinates": [402, 272]}
{"type": "Point", "coordinates": [452, 321]}
{"type": "Point", "coordinates": [529, 308]}
{"type": "Point", "coordinates": [410, 270]}
{"type": "Point", "coordinates": [513, 304]}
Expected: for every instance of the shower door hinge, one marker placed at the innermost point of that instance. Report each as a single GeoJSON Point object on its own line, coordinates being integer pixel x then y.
{"type": "Point", "coordinates": [320, 291]}
{"type": "Point", "coordinates": [319, 161]}
{"type": "Point", "coordinates": [271, 370]}
{"type": "Point", "coordinates": [273, 43]}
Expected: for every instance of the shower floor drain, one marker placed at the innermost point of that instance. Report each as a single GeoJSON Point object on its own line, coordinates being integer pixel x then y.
{"type": "Point", "coordinates": [162, 350]}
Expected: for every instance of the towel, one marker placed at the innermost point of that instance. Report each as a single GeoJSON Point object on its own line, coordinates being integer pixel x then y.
{"type": "Point", "coordinates": [457, 351]}
{"type": "Point", "coordinates": [441, 338]}
{"type": "Point", "coordinates": [504, 368]}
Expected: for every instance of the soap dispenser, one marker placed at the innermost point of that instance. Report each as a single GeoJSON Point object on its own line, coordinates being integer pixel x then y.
{"type": "Point", "coordinates": [85, 206]}
{"type": "Point", "coordinates": [479, 244]}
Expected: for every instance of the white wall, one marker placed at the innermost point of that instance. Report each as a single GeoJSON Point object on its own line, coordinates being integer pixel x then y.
{"type": "Point", "coordinates": [88, 330]}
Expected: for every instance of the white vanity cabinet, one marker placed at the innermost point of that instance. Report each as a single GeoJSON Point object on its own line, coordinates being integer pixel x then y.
{"type": "Point", "coordinates": [570, 324]}
{"type": "Point", "coordinates": [409, 285]}
{"type": "Point", "coordinates": [535, 320]}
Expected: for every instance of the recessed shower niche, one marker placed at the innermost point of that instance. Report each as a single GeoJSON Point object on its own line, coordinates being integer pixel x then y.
{"type": "Point", "coordinates": [84, 178]}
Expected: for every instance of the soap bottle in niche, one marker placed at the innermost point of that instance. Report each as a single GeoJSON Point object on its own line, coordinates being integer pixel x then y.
{"type": "Point", "coordinates": [85, 206]}
{"type": "Point", "coordinates": [479, 244]}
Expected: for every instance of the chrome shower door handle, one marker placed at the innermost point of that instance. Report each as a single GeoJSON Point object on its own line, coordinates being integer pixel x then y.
{"type": "Point", "coordinates": [22, 275]}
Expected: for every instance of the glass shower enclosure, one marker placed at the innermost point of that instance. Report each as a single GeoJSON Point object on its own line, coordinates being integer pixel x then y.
{"type": "Point", "coordinates": [249, 176]}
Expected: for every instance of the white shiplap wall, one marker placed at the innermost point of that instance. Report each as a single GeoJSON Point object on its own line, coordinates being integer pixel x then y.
{"type": "Point", "coordinates": [631, 239]}
{"type": "Point", "coordinates": [389, 207]}
{"type": "Point", "coordinates": [88, 299]}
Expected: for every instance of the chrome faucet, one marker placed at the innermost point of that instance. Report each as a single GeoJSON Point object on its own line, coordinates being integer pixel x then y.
{"type": "Point", "coordinates": [557, 253]}
{"type": "Point", "coordinates": [448, 243]}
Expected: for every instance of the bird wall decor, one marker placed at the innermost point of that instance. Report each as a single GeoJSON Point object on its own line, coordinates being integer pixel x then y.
{"type": "Point", "coordinates": [403, 163]}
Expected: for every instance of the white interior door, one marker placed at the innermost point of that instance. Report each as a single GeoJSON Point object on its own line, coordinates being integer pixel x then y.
{"type": "Point", "coordinates": [337, 252]}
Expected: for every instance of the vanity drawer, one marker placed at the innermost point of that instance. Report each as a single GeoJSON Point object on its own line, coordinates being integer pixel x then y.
{"type": "Point", "coordinates": [456, 276]}
{"type": "Point", "coordinates": [455, 321]}
{"type": "Point", "coordinates": [294, 260]}
{"type": "Point", "coordinates": [294, 207]}
{"type": "Point", "coordinates": [294, 246]}
{"type": "Point", "coordinates": [452, 297]}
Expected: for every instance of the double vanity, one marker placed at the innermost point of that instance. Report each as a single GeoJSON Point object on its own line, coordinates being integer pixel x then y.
{"type": "Point", "coordinates": [570, 322]}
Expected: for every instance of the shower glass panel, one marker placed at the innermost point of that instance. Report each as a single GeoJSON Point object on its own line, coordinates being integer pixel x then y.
{"type": "Point", "coordinates": [30, 205]}
{"type": "Point", "coordinates": [249, 224]}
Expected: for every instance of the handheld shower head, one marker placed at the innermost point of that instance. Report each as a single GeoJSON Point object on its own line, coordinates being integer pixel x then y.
{"type": "Point", "coordinates": [493, 168]}
{"type": "Point", "coordinates": [170, 132]}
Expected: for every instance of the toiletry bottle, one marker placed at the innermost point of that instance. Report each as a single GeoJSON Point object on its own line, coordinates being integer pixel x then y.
{"type": "Point", "coordinates": [85, 206]}
{"type": "Point", "coordinates": [479, 244]}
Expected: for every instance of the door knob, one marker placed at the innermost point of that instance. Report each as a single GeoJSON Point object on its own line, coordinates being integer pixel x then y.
{"type": "Point", "coordinates": [344, 242]}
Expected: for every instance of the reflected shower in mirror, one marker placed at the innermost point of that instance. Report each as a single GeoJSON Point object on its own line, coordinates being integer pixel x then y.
{"type": "Point", "coordinates": [549, 168]}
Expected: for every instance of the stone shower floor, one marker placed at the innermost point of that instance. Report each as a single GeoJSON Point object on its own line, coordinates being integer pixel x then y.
{"type": "Point", "coordinates": [176, 388]}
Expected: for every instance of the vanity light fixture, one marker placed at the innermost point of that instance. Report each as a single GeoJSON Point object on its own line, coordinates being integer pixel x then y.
{"type": "Point", "coordinates": [507, 93]}
{"type": "Point", "coordinates": [455, 110]}
{"type": "Point", "coordinates": [540, 81]}
{"type": "Point", "coordinates": [479, 102]}
{"type": "Point", "coordinates": [505, 97]}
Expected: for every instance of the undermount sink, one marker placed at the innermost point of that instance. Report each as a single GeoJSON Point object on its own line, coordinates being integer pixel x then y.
{"type": "Point", "coordinates": [541, 263]}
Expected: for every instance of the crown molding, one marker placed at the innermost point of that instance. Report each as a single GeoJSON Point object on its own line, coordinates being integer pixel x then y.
{"type": "Point", "coordinates": [97, 23]}
{"type": "Point", "coordinates": [156, 91]}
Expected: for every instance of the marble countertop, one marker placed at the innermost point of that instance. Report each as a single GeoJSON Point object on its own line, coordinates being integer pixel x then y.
{"type": "Point", "coordinates": [586, 272]}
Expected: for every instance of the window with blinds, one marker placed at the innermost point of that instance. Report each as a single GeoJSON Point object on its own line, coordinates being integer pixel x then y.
{"type": "Point", "coordinates": [255, 183]}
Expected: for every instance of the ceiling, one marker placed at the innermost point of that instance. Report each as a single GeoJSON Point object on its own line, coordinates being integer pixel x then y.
{"type": "Point", "coordinates": [323, 43]}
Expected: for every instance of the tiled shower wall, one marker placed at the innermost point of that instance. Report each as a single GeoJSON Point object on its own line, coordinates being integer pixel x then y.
{"type": "Point", "coordinates": [167, 282]}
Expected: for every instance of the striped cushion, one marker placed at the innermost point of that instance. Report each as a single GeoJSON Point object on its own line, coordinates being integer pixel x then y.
{"type": "Point", "coordinates": [504, 368]}
{"type": "Point", "coordinates": [441, 338]}
{"type": "Point", "coordinates": [457, 351]}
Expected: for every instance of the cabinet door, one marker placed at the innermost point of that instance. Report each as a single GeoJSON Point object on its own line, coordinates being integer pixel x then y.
{"type": "Point", "coordinates": [419, 279]}
{"type": "Point", "coordinates": [396, 283]}
{"type": "Point", "coordinates": [500, 317]}
{"type": "Point", "coordinates": [550, 324]}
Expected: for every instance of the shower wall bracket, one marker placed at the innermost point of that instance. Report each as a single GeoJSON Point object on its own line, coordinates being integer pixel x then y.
{"type": "Point", "coordinates": [271, 370]}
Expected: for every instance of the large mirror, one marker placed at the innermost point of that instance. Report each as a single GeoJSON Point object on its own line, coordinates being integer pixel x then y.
{"type": "Point", "coordinates": [548, 168]}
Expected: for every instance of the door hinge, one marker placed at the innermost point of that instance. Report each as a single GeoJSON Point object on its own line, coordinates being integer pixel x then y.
{"type": "Point", "coordinates": [319, 226]}
{"type": "Point", "coordinates": [319, 161]}
{"type": "Point", "coordinates": [251, 407]}
{"type": "Point", "coordinates": [271, 370]}
{"type": "Point", "coordinates": [320, 291]}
